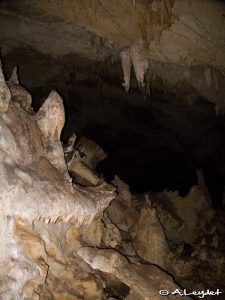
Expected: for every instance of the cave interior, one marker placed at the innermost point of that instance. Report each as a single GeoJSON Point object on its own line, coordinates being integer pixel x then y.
{"type": "Point", "coordinates": [158, 136]}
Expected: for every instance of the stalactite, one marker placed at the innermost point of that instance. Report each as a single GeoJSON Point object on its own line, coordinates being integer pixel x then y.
{"type": "Point", "coordinates": [155, 5]}
{"type": "Point", "coordinates": [216, 81]}
{"type": "Point", "coordinates": [135, 55]}
{"type": "Point", "coordinates": [126, 65]}
{"type": "Point", "coordinates": [208, 76]}
{"type": "Point", "coordinates": [139, 62]}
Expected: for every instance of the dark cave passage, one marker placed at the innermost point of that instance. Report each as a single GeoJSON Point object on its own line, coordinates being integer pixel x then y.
{"type": "Point", "coordinates": [145, 168]}
{"type": "Point", "coordinates": [152, 144]}
{"type": "Point", "coordinates": [141, 166]}
{"type": "Point", "coordinates": [170, 172]}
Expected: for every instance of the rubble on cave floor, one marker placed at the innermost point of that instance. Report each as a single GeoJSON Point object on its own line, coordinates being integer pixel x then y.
{"type": "Point", "coordinates": [79, 237]}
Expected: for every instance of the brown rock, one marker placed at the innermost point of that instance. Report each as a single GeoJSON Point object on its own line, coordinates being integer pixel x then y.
{"type": "Point", "coordinates": [149, 239]}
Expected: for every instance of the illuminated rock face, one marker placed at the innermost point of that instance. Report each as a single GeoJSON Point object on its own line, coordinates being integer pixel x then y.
{"type": "Point", "coordinates": [35, 185]}
{"type": "Point", "coordinates": [56, 242]}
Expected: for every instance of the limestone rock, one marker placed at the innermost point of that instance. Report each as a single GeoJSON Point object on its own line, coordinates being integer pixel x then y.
{"type": "Point", "coordinates": [92, 235]}
{"type": "Point", "coordinates": [110, 261]}
{"type": "Point", "coordinates": [5, 94]}
{"type": "Point", "coordinates": [111, 235]}
{"type": "Point", "coordinates": [82, 160]}
{"type": "Point", "coordinates": [149, 240]}
{"type": "Point", "coordinates": [124, 194]}
{"type": "Point", "coordinates": [19, 93]}
{"type": "Point", "coordinates": [184, 219]}
{"type": "Point", "coordinates": [91, 152]}
{"type": "Point", "coordinates": [35, 186]}
{"type": "Point", "coordinates": [179, 36]}
{"type": "Point", "coordinates": [126, 65]}
{"type": "Point", "coordinates": [82, 173]}
{"type": "Point", "coordinates": [120, 210]}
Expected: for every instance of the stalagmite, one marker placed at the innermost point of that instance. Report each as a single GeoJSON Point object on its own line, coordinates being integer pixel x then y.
{"type": "Point", "coordinates": [34, 186]}
{"type": "Point", "coordinates": [202, 184]}
{"type": "Point", "coordinates": [19, 93]}
{"type": "Point", "coordinates": [5, 94]}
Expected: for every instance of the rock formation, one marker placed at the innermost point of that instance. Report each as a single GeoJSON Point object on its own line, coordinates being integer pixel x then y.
{"type": "Point", "coordinates": [134, 56]}
{"type": "Point", "coordinates": [69, 232]}
{"type": "Point", "coordinates": [36, 187]}
{"type": "Point", "coordinates": [82, 159]}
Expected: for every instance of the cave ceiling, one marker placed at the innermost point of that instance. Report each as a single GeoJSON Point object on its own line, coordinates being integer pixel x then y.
{"type": "Point", "coordinates": [183, 41]}
{"type": "Point", "coordinates": [170, 29]}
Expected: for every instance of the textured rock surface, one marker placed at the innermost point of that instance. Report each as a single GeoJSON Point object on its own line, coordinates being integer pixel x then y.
{"type": "Point", "coordinates": [135, 277]}
{"type": "Point", "coordinates": [19, 93]}
{"type": "Point", "coordinates": [149, 240]}
{"type": "Point", "coordinates": [120, 210]}
{"type": "Point", "coordinates": [182, 23]}
{"type": "Point", "coordinates": [175, 213]}
{"type": "Point", "coordinates": [55, 241]}
{"type": "Point", "coordinates": [35, 185]}
{"type": "Point", "coordinates": [183, 40]}
{"type": "Point", "coordinates": [82, 159]}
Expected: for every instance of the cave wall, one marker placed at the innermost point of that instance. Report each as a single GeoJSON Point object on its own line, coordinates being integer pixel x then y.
{"type": "Point", "coordinates": [65, 232]}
